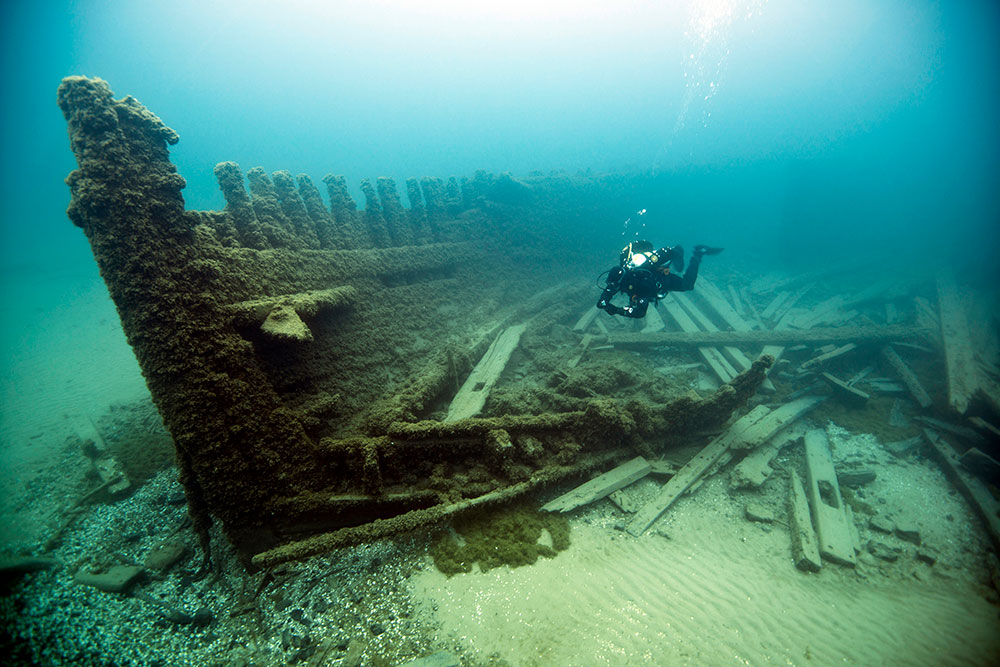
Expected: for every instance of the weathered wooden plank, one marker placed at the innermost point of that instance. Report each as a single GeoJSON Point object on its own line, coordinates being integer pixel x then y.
{"type": "Point", "coordinates": [805, 548]}
{"type": "Point", "coordinates": [652, 322]}
{"type": "Point", "coordinates": [984, 425]}
{"type": "Point", "coordinates": [690, 473]}
{"type": "Point", "coordinates": [891, 314]}
{"type": "Point", "coordinates": [790, 302]}
{"type": "Point", "coordinates": [907, 376]}
{"type": "Point", "coordinates": [775, 304]}
{"type": "Point", "coordinates": [844, 390]}
{"type": "Point", "coordinates": [958, 352]}
{"type": "Point", "coordinates": [964, 432]}
{"type": "Point", "coordinates": [737, 300]}
{"type": "Point", "coordinates": [472, 396]}
{"type": "Point", "coordinates": [974, 490]}
{"type": "Point", "coordinates": [870, 334]}
{"type": "Point", "coordinates": [600, 486]}
{"type": "Point", "coordinates": [714, 299]}
{"type": "Point", "coordinates": [585, 320]}
{"type": "Point", "coordinates": [755, 468]}
{"type": "Point", "coordinates": [719, 365]}
{"type": "Point", "coordinates": [821, 359]}
{"type": "Point", "coordinates": [584, 344]}
{"type": "Point", "coordinates": [832, 528]}
{"type": "Point", "coordinates": [765, 428]}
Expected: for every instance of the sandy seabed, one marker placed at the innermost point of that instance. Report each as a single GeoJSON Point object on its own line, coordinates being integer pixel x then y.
{"type": "Point", "coordinates": [703, 587]}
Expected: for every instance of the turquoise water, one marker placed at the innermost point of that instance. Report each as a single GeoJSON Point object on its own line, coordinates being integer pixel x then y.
{"type": "Point", "coordinates": [876, 120]}
{"type": "Point", "coordinates": [796, 133]}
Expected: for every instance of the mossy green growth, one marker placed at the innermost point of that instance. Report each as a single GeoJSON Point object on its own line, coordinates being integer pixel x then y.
{"type": "Point", "coordinates": [494, 537]}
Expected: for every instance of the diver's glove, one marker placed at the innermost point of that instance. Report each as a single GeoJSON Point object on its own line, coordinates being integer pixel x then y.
{"type": "Point", "coordinates": [700, 250]}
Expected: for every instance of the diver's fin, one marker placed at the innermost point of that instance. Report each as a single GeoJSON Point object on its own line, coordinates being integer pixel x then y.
{"type": "Point", "coordinates": [707, 250]}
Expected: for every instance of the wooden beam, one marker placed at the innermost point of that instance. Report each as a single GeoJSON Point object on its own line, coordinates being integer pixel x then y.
{"type": "Point", "coordinates": [872, 334]}
{"type": "Point", "coordinates": [584, 344]}
{"type": "Point", "coordinates": [907, 376]}
{"type": "Point", "coordinates": [974, 490]}
{"type": "Point", "coordinates": [768, 426]}
{"type": "Point", "coordinates": [600, 486]}
{"type": "Point", "coordinates": [652, 322]}
{"type": "Point", "coordinates": [852, 394]}
{"type": "Point", "coordinates": [472, 396]}
{"type": "Point", "coordinates": [585, 320]}
{"type": "Point", "coordinates": [805, 548]}
{"type": "Point", "coordinates": [832, 528]}
{"type": "Point", "coordinates": [958, 352]}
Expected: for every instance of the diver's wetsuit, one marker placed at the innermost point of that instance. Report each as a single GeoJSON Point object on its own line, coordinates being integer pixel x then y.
{"type": "Point", "coordinates": [648, 282]}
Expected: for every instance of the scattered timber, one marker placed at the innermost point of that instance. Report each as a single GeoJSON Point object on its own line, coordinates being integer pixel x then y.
{"type": "Point", "coordinates": [963, 432]}
{"type": "Point", "coordinates": [821, 359]}
{"type": "Point", "coordinates": [907, 376]}
{"type": "Point", "coordinates": [958, 352]}
{"type": "Point", "coordinates": [734, 354]}
{"type": "Point", "coordinates": [653, 322]}
{"type": "Point", "coordinates": [472, 396]}
{"type": "Point", "coordinates": [974, 490]}
{"type": "Point", "coordinates": [984, 425]}
{"type": "Point", "coordinates": [832, 527]}
{"type": "Point", "coordinates": [982, 465]}
{"type": "Point", "coordinates": [755, 468]}
{"type": "Point", "coordinates": [584, 344]}
{"type": "Point", "coordinates": [600, 486]}
{"type": "Point", "coordinates": [846, 391]}
{"type": "Point", "coordinates": [719, 364]}
{"type": "Point", "coordinates": [805, 549]}
{"type": "Point", "coordinates": [690, 473]}
{"type": "Point", "coordinates": [585, 320]}
{"type": "Point", "coordinates": [856, 335]}
{"type": "Point", "coordinates": [765, 428]}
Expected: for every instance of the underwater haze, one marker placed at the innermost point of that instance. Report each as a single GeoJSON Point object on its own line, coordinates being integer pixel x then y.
{"type": "Point", "coordinates": [801, 126]}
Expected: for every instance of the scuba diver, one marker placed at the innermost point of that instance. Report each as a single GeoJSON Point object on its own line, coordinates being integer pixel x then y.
{"type": "Point", "coordinates": [645, 276]}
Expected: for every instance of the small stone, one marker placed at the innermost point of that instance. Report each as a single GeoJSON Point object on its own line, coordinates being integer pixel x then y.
{"type": "Point", "coordinates": [884, 551]}
{"type": "Point", "coordinates": [165, 554]}
{"type": "Point", "coordinates": [882, 523]}
{"type": "Point", "coordinates": [619, 525]}
{"type": "Point", "coordinates": [115, 579]}
{"type": "Point", "coordinates": [927, 555]}
{"type": "Point", "coordinates": [906, 530]}
{"type": "Point", "coordinates": [299, 616]}
{"type": "Point", "coordinates": [756, 511]}
{"type": "Point", "coordinates": [377, 629]}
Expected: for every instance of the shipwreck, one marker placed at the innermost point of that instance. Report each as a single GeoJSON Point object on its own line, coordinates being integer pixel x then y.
{"type": "Point", "coordinates": [299, 352]}
{"type": "Point", "coordinates": [331, 374]}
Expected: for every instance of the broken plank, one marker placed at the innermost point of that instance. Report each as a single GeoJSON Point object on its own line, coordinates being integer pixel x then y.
{"type": "Point", "coordinates": [973, 489]}
{"type": "Point", "coordinates": [832, 529]}
{"type": "Point", "coordinates": [585, 320]}
{"type": "Point", "coordinates": [719, 365]}
{"type": "Point", "coordinates": [844, 390]}
{"type": "Point", "coordinates": [869, 334]}
{"type": "Point", "coordinates": [790, 302]}
{"type": "Point", "coordinates": [984, 425]}
{"type": "Point", "coordinates": [690, 473]}
{"type": "Point", "coordinates": [765, 428]}
{"type": "Point", "coordinates": [472, 396]}
{"type": "Point", "coordinates": [965, 432]}
{"type": "Point", "coordinates": [600, 486]}
{"type": "Point", "coordinates": [958, 352]}
{"type": "Point", "coordinates": [805, 548]}
{"type": "Point", "coordinates": [907, 376]}
{"type": "Point", "coordinates": [755, 468]}
{"type": "Point", "coordinates": [832, 354]}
